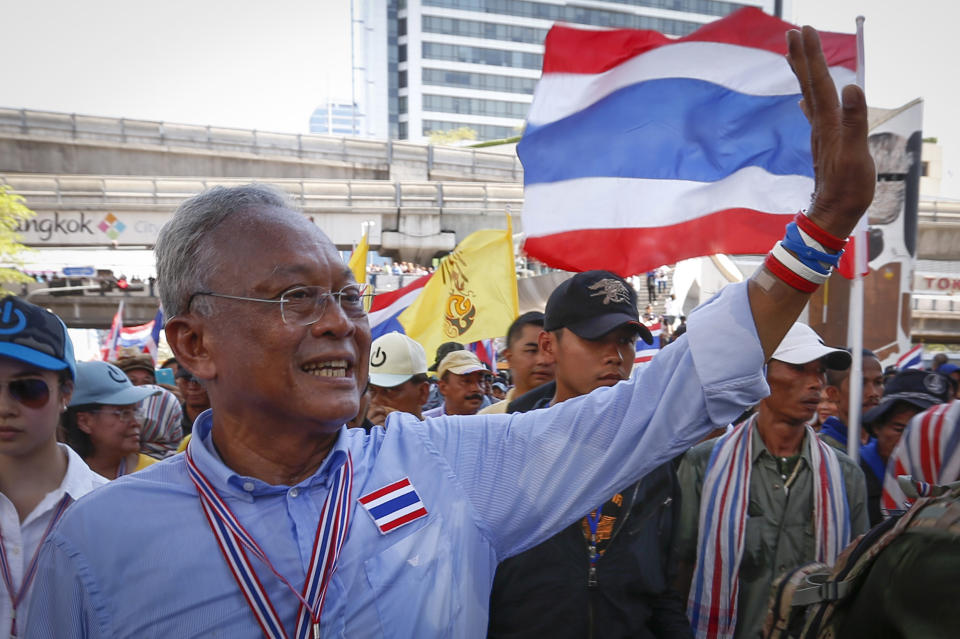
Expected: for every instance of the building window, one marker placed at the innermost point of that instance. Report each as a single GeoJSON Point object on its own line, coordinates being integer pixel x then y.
{"type": "Point", "coordinates": [925, 169]}
{"type": "Point", "coordinates": [598, 17]}
{"type": "Point", "coordinates": [403, 104]}
{"type": "Point", "coordinates": [402, 130]}
{"type": "Point", "coordinates": [481, 81]}
{"type": "Point", "coordinates": [403, 80]}
{"type": "Point", "coordinates": [402, 56]}
{"type": "Point", "coordinates": [486, 30]}
{"type": "Point", "coordinates": [475, 106]}
{"type": "Point", "coordinates": [402, 27]}
{"type": "Point", "coordinates": [482, 55]}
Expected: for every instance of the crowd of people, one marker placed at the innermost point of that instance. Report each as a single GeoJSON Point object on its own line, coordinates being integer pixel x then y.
{"type": "Point", "coordinates": [334, 485]}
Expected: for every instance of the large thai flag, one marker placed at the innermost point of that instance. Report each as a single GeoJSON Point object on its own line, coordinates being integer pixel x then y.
{"type": "Point", "coordinates": [387, 306]}
{"type": "Point", "coordinates": [642, 150]}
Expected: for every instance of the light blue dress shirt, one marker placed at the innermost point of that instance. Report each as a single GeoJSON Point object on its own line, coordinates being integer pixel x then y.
{"type": "Point", "coordinates": [137, 558]}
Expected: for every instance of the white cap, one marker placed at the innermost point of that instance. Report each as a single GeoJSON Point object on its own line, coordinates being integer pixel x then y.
{"type": "Point", "coordinates": [395, 358]}
{"type": "Point", "coordinates": [802, 345]}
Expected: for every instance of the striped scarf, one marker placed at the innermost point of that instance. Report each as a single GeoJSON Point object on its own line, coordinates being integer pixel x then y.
{"type": "Point", "coordinates": [928, 451]}
{"type": "Point", "coordinates": [712, 603]}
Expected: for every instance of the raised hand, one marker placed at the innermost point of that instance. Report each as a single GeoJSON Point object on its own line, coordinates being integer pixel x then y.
{"type": "Point", "coordinates": [844, 171]}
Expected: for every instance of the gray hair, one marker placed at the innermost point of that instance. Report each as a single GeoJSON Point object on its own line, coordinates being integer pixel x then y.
{"type": "Point", "coordinates": [185, 255]}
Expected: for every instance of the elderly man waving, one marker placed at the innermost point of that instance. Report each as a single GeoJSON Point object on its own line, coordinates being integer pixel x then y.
{"type": "Point", "coordinates": [293, 525]}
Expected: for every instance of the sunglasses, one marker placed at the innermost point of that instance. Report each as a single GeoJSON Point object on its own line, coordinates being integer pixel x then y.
{"type": "Point", "coordinates": [31, 392]}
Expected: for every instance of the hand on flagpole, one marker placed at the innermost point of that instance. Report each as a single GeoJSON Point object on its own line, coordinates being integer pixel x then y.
{"type": "Point", "coordinates": [844, 172]}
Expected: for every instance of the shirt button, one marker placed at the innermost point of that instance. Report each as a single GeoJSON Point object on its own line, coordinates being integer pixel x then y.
{"type": "Point", "coordinates": [294, 492]}
{"type": "Point", "coordinates": [248, 486]}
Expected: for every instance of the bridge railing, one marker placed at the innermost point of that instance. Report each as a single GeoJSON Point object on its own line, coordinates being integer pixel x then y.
{"type": "Point", "coordinates": [440, 161]}
{"type": "Point", "coordinates": [166, 193]}
{"type": "Point", "coordinates": [936, 303]}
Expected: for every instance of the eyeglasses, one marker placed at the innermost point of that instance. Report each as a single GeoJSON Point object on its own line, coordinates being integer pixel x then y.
{"type": "Point", "coordinates": [31, 392]}
{"type": "Point", "coordinates": [125, 414]}
{"type": "Point", "coordinates": [306, 304]}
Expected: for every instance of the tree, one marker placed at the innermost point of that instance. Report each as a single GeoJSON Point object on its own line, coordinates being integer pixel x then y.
{"type": "Point", "coordinates": [452, 136]}
{"type": "Point", "coordinates": [13, 211]}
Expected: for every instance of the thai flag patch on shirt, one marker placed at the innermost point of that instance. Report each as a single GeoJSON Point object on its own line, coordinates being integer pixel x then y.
{"type": "Point", "coordinates": [394, 505]}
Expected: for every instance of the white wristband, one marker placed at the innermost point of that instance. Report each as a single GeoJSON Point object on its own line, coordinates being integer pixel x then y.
{"type": "Point", "coordinates": [787, 258]}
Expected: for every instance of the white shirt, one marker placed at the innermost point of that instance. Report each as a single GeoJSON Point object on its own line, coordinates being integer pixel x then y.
{"type": "Point", "coordinates": [20, 541]}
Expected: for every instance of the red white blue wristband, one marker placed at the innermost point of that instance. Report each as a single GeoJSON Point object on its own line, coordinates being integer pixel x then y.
{"type": "Point", "coordinates": [792, 271]}
{"type": "Point", "coordinates": [828, 241]}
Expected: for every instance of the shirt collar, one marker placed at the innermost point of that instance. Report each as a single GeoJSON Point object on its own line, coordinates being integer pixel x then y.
{"type": "Point", "coordinates": [247, 488]}
{"type": "Point", "coordinates": [759, 448]}
{"type": "Point", "coordinates": [77, 482]}
{"type": "Point", "coordinates": [79, 479]}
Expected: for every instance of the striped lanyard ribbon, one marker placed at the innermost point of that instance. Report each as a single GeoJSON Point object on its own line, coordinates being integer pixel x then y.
{"type": "Point", "coordinates": [16, 596]}
{"type": "Point", "coordinates": [235, 541]}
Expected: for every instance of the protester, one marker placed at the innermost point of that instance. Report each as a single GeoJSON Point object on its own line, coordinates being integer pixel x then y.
{"type": "Point", "coordinates": [195, 398]}
{"type": "Point", "coordinates": [137, 365]}
{"type": "Point", "coordinates": [953, 372]}
{"type": "Point", "coordinates": [102, 422]}
{"type": "Point", "coordinates": [478, 489]}
{"type": "Point", "coordinates": [927, 453]}
{"type": "Point", "coordinates": [461, 375]}
{"type": "Point", "coordinates": [825, 409]}
{"type": "Point", "coordinates": [623, 585]}
{"type": "Point", "coordinates": [171, 363]}
{"type": "Point", "coordinates": [938, 360]}
{"type": "Point", "coordinates": [833, 430]}
{"type": "Point", "coordinates": [749, 497]}
{"type": "Point", "coordinates": [161, 430]}
{"type": "Point", "coordinates": [499, 391]}
{"type": "Point", "coordinates": [435, 398]}
{"type": "Point", "coordinates": [398, 377]}
{"type": "Point", "coordinates": [528, 367]}
{"type": "Point", "coordinates": [651, 286]}
{"type": "Point", "coordinates": [905, 395]}
{"type": "Point", "coordinates": [39, 478]}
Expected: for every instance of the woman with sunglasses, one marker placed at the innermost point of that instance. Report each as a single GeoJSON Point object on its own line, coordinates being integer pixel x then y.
{"type": "Point", "coordinates": [39, 478]}
{"type": "Point", "coordinates": [103, 423]}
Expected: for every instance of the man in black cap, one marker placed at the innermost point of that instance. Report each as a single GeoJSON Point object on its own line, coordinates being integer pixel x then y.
{"type": "Point", "coordinates": [610, 568]}
{"type": "Point", "coordinates": [910, 392]}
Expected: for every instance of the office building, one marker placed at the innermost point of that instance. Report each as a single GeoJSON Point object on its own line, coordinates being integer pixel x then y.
{"type": "Point", "coordinates": [474, 63]}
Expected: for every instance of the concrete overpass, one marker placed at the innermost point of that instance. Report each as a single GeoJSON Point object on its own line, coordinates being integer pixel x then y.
{"type": "Point", "coordinates": [68, 143]}
{"type": "Point", "coordinates": [412, 220]}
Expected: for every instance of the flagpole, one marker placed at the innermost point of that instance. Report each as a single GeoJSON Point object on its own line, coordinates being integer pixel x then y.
{"type": "Point", "coordinates": [855, 315]}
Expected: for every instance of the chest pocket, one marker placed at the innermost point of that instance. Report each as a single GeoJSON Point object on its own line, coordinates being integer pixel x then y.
{"type": "Point", "coordinates": [414, 585]}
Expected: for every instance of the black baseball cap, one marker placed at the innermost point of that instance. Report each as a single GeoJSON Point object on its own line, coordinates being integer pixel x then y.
{"type": "Point", "coordinates": [593, 303]}
{"type": "Point", "coordinates": [35, 336]}
{"type": "Point", "coordinates": [916, 387]}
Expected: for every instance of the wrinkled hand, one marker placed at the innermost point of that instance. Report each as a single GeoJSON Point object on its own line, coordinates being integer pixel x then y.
{"type": "Point", "coordinates": [845, 175]}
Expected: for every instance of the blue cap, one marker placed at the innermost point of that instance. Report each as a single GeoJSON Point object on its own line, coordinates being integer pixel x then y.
{"type": "Point", "coordinates": [35, 336]}
{"type": "Point", "coordinates": [103, 383]}
{"type": "Point", "coordinates": [948, 368]}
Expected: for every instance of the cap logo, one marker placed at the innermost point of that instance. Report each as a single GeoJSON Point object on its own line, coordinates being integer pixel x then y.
{"type": "Point", "coordinates": [116, 374]}
{"type": "Point", "coordinates": [378, 358]}
{"type": "Point", "coordinates": [5, 328]}
{"type": "Point", "coordinates": [935, 383]}
{"type": "Point", "coordinates": [612, 291]}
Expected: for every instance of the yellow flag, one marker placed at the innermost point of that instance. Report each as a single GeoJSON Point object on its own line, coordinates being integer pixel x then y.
{"type": "Point", "coordinates": [472, 296]}
{"type": "Point", "coordinates": [358, 260]}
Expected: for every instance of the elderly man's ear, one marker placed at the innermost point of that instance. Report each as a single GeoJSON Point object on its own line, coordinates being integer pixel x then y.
{"type": "Point", "coordinates": [192, 345]}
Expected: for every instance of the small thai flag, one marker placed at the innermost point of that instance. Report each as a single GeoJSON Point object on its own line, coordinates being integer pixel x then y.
{"type": "Point", "coordinates": [913, 358]}
{"type": "Point", "coordinates": [394, 505]}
